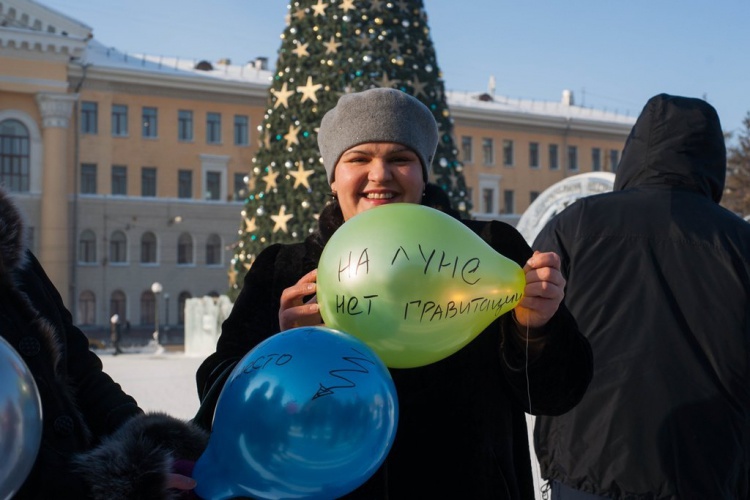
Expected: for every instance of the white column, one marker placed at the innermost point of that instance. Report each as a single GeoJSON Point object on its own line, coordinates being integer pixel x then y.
{"type": "Point", "coordinates": [54, 231]}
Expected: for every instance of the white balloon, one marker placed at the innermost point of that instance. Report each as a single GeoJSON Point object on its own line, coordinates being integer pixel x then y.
{"type": "Point", "coordinates": [20, 420]}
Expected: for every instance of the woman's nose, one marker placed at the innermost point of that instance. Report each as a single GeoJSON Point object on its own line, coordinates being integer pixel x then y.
{"type": "Point", "coordinates": [379, 170]}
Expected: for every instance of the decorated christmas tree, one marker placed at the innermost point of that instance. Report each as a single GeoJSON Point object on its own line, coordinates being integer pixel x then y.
{"type": "Point", "coordinates": [331, 47]}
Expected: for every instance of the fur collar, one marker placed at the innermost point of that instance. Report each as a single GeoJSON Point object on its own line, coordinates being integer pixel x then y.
{"type": "Point", "coordinates": [13, 262]}
{"type": "Point", "coordinates": [12, 234]}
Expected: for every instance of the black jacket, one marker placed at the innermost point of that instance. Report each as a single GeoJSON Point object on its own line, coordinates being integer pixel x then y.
{"type": "Point", "coordinates": [461, 430]}
{"type": "Point", "coordinates": [658, 278]}
{"type": "Point", "coordinates": [96, 442]}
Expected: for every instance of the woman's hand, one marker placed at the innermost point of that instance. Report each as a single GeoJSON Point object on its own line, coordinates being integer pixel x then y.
{"type": "Point", "coordinates": [545, 289]}
{"type": "Point", "coordinates": [180, 482]}
{"type": "Point", "coordinates": [293, 312]}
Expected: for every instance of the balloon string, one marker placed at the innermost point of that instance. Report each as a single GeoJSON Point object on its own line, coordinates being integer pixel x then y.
{"type": "Point", "coordinates": [528, 384]}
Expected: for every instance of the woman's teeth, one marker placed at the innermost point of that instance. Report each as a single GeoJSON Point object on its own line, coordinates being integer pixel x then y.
{"type": "Point", "coordinates": [379, 196]}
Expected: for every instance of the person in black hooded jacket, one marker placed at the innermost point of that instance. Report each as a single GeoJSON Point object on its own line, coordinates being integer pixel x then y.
{"type": "Point", "coordinates": [96, 442]}
{"type": "Point", "coordinates": [461, 429]}
{"type": "Point", "coordinates": [658, 278]}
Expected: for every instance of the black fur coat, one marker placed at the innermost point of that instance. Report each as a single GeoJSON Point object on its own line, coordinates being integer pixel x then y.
{"type": "Point", "coordinates": [96, 442]}
{"type": "Point", "coordinates": [461, 430]}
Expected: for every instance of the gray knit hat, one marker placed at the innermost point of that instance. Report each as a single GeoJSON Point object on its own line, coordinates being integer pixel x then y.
{"type": "Point", "coordinates": [377, 115]}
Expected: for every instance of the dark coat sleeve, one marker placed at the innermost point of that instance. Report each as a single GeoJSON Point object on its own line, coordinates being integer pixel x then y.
{"type": "Point", "coordinates": [101, 401]}
{"type": "Point", "coordinates": [96, 442]}
{"type": "Point", "coordinates": [561, 367]}
{"type": "Point", "coordinates": [254, 318]}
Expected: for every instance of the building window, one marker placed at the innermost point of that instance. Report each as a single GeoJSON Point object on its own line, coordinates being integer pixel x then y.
{"type": "Point", "coordinates": [148, 181]}
{"type": "Point", "coordinates": [213, 128]}
{"type": "Point", "coordinates": [88, 178]}
{"type": "Point", "coordinates": [213, 185]}
{"type": "Point", "coordinates": [150, 122]}
{"type": "Point", "coordinates": [509, 205]}
{"type": "Point", "coordinates": [596, 159]}
{"type": "Point", "coordinates": [533, 195]}
{"type": "Point", "coordinates": [533, 155]}
{"type": "Point", "coordinates": [614, 159]}
{"type": "Point", "coordinates": [148, 248]}
{"type": "Point", "coordinates": [185, 249]}
{"type": "Point", "coordinates": [467, 155]}
{"type": "Point", "coordinates": [119, 120]}
{"type": "Point", "coordinates": [573, 157]}
{"type": "Point", "coordinates": [148, 308]}
{"type": "Point", "coordinates": [185, 184]}
{"type": "Point", "coordinates": [119, 180]}
{"type": "Point", "coordinates": [118, 248]}
{"type": "Point", "coordinates": [213, 250]}
{"type": "Point", "coordinates": [118, 305]}
{"type": "Point", "coordinates": [87, 308]}
{"type": "Point", "coordinates": [89, 118]}
{"type": "Point", "coordinates": [507, 153]}
{"type": "Point", "coordinates": [185, 125]}
{"type": "Point", "coordinates": [87, 247]}
{"type": "Point", "coordinates": [488, 151]}
{"type": "Point", "coordinates": [488, 197]}
{"type": "Point", "coordinates": [241, 129]}
{"type": "Point", "coordinates": [554, 160]}
{"type": "Point", "coordinates": [181, 301]}
{"type": "Point", "coordinates": [240, 187]}
{"type": "Point", "coordinates": [14, 156]}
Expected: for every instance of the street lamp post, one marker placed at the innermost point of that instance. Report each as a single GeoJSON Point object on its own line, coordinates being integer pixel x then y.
{"type": "Point", "coordinates": [166, 317]}
{"type": "Point", "coordinates": [156, 288]}
{"type": "Point", "coordinates": [166, 310]}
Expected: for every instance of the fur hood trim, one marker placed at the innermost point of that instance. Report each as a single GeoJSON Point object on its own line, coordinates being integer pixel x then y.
{"type": "Point", "coordinates": [133, 463]}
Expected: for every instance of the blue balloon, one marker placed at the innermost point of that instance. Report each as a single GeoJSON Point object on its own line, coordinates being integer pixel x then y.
{"type": "Point", "coordinates": [20, 420]}
{"type": "Point", "coordinates": [308, 413]}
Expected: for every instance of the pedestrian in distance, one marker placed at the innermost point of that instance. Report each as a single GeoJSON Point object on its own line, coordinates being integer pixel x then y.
{"type": "Point", "coordinates": [116, 333]}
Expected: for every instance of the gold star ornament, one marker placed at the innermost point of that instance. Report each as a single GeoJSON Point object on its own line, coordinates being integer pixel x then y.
{"type": "Point", "coordinates": [291, 136]}
{"type": "Point", "coordinates": [270, 179]}
{"type": "Point", "coordinates": [332, 46]}
{"type": "Point", "coordinates": [301, 176]}
{"type": "Point", "coordinates": [282, 96]}
{"type": "Point", "coordinates": [320, 8]}
{"type": "Point", "coordinates": [281, 219]}
{"type": "Point", "coordinates": [250, 226]}
{"type": "Point", "coordinates": [301, 50]}
{"type": "Point", "coordinates": [346, 5]}
{"type": "Point", "coordinates": [308, 90]}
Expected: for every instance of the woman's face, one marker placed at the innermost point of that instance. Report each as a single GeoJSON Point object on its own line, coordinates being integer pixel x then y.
{"type": "Point", "coordinates": [377, 173]}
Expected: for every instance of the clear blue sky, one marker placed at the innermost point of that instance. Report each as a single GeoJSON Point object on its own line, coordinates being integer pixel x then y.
{"type": "Point", "coordinates": [613, 54]}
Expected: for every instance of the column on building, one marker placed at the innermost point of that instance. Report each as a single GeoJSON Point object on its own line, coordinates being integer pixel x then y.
{"type": "Point", "coordinates": [54, 230]}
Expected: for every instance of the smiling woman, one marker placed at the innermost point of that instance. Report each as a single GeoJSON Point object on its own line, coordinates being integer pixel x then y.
{"type": "Point", "coordinates": [370, 175]}
{"type": "Point", "coordinates": [377, 147]}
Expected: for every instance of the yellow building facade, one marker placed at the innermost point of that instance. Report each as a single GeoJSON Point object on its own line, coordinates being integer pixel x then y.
{"type": "Point", "coordinates": [131, 169]}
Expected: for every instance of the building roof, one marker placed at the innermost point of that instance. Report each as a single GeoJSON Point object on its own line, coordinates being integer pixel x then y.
{"type": "Point", "coordinates": [98, 55]}
{"type": "Point", "coordinates": [469, 105]}
{"type": "Point", "coordinates": [565, 108]}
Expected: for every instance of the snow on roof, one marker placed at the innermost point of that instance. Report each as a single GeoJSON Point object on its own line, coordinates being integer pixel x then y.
{"type": "Point", "coordinates": [99, 55]}
{"type": "Point", "coordinates": [493, 104]}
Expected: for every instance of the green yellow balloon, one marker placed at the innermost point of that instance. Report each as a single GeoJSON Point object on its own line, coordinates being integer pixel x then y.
{"type": "Point", "coordinates": [413, 283]}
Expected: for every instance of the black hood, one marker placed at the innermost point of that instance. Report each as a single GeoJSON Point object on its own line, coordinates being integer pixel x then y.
{"type": "Point", "coordinates": [676, 141]}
